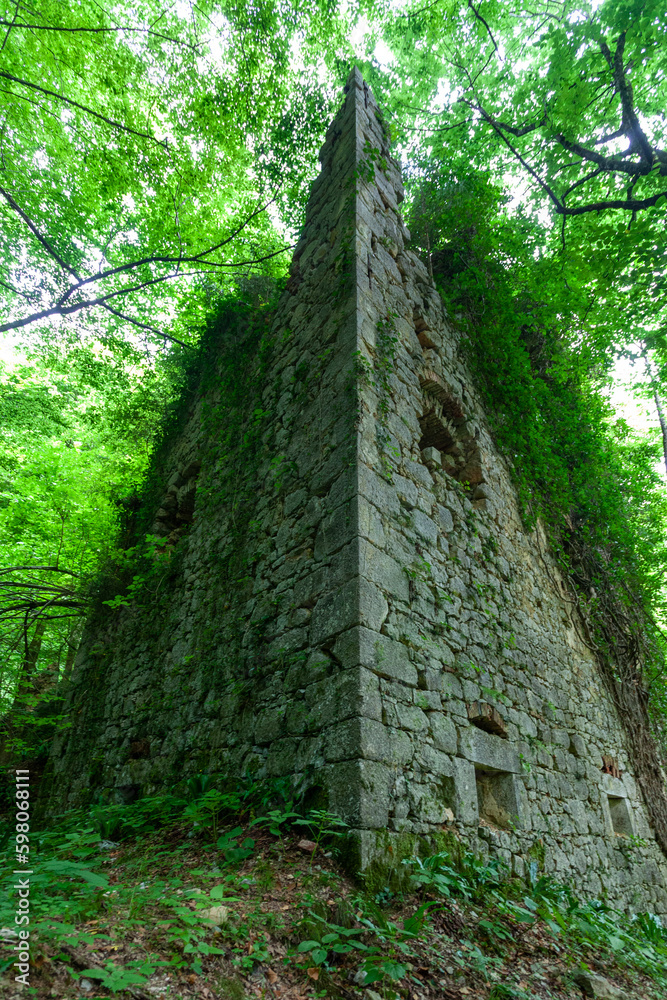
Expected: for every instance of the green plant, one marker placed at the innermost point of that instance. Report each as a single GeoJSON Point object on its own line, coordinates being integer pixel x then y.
{"type": "Point", "coordinates": [117, 822]}
{"type": "Point", "coordinates": [198, 784]}
{"type": "Point", "coordinates": [384, 952]}
{"type": "Point", "coordinates": [276, 818]}
{"type": "Point", "coordinates": [206, 811]}
{"type": "Point", "coordinates": [436, 874]}
{"type": "Point", "coordinates": [323, 825]}
{"type": "Point", "coordinates": [230, 847]}
{"type": "Point", "coordinates": [116, 979]}
{"type": "Point", "coordinates": [397, 941]}
{"type": "Point", "coordinates": [244, 958]}
{"type": "Point", "coordinates": [332, 938]}
{"type": "Point", "coordinates": [507, 991]}
{"type": "Point", "coordinates": [497, 933]}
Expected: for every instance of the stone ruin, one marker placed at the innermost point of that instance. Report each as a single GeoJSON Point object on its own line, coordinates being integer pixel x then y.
{"type": "Point", "coordinates": [398, 646]}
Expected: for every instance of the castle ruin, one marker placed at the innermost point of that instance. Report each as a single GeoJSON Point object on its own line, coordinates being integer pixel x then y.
{"type": "Point", "coordinates": [392, 640]}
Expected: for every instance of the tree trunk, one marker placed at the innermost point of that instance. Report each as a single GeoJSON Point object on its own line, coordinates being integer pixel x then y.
{"type": "Point", "coordinates": [72, 647]}
{"type": "Point", "coordinates": [658, 404]}
{"type": "Point", "coordinates": [663, 424]}
{"type": "Point", "coordinates": [30, 662]}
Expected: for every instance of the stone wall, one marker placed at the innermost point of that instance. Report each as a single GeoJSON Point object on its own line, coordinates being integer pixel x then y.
{"type": "Point", "coordinates": [359, 608]}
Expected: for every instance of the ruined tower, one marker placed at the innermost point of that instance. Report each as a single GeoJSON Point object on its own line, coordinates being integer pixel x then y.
{"type": "Point", "coordinates": [353, 603]}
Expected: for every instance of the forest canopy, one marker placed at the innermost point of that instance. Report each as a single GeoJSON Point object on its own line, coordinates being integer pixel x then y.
{"type": "Point", "coordinates": [155, 162]}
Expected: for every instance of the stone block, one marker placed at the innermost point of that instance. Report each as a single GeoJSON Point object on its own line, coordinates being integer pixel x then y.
{"type": "Point", "coordinates": [431, 802]}
{"type": "Point", "coordinates": [445, 518]}
{"type": "Point", "coordinates": [425, 527]}
{"type": "Point", "coordinates": [378, 491]}
{"type": "Point", "coordinates": [357, 602]}
{"type": "Point", "coordinates": [307, 671]}
{"type": "Point", "coordinates": [613, 786]}
{"type": "Point", "coordinates": [347, 693]}
{"type": "Point", "coordinates": [488, 751]}
{"type": "Point", "coordinates": [368, 739]}
{"type": "Point", "coordinates": [443, 732]}
{"type": "Point", "coordinates": [420, 474]}
{"type": "Point", "coordinates": [427, 700]}
{"type": "Point", "coordinates": [336, 530]}
{"type": "Point", "coordinates": [299, 720]}
{"type": "Point", "coordinates": [269, 725]}
{"type": "Point", "coordinates": [385, 656]}
{"type": "Point", "coordinates": [360, 792]}
{"type": "Point", "coordinates": [281, 757]}
{"type": "Point", "coordinates": [294, 501]}
{"type": "Point", "coordinates": [465, 791]}
{"type": "Point", "coordinates": [577, 745]}
{"type": "Point", "coordinates": [434, 762]}
{"type": "Point", "coordinates": [411, 717]}
{"type": "Point", "coordinates": [370, 522]}
{"type": "Point", "coordinates": [383, 570]}
{"type": "Point", "coordinates": [406, 490]}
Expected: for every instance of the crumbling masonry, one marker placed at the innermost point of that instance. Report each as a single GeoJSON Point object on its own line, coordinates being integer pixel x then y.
{"type": "Point", "coordinates": [398, 644]}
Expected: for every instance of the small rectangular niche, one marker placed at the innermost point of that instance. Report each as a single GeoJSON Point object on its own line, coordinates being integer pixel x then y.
{"type": "Point", "coordinates": [497, 798]}
{"type": "Point", "coordinates": [621, 818]}
{"type": "Point", "coordinates": [487, 718]}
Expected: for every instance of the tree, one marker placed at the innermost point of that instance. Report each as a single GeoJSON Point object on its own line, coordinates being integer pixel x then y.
{"type": "Point", "coordinates": [573, 93]}
{"type": "Point", "coordinates": [563, 103]}
{"type": "Point", "coordinates": [77, 435]}
{"type": "Point", "coordinates": [137, 163]}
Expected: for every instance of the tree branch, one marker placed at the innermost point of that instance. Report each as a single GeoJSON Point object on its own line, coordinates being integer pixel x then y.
{"type": "Point", "coordinates": [98, 31]}
{"type": "Point", "coordinates": [36, 233]}
{"type": "Point", "coordinates": [625, 93]}
{"type": "Point", "coordinates": [10, 24]}
{"type": "Point", "coordinates": [145, 326]}
{"type": "Point", "coordinates": [582, 180]}
{"type": "Point", "coordinates": [479, 17]}
{"type": "Point", "coordinates": [609, 163]}
{"type": "Point", "coordinates": [179, 260]}
{"type": "Point", "coordinates": [443, 128]}
{"type": "Point", "coordinates": [62, 310]}
{"type": "Point", "coordinates": [629, 204]}
{"type": "Point", "coordinates": [516, 130]}
{"type": "Point", "coordinates": [415, 13]}
{"type": "Point", "coordinates": [82, 107]}
{"type": "Point", "coordinates": [496, 127]}
{"type": "Point", "coordinates": [41, 569]}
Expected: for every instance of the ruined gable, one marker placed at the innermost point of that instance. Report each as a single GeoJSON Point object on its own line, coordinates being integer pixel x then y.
{"type": "Point", "coordinates": [356, 604]}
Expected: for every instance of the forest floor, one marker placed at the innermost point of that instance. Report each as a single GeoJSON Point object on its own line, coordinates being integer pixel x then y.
{"type": "Point", "coordinates": [236, 911]}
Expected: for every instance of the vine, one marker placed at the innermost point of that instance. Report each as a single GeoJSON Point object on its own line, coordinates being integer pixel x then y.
{"type": "Point", "coordinates": [540, 371]}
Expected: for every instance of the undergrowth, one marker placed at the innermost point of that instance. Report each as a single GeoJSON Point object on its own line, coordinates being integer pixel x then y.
{"type": "Point", "coordinates": [219, 893]}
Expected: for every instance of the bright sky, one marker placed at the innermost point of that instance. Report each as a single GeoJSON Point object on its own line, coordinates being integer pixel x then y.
{"type": "Point", "coordinates": [639, 413]}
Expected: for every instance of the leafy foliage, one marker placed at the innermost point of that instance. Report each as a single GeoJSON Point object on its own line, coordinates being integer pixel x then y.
{"type": "Point", "coordinates": [138, 156]}
{"type": "Point", "coordinates": [165, 902]}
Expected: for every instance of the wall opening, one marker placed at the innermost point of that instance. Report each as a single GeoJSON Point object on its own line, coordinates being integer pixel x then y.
{"type": "Point", "coordinates": [621, 819]}
{"type": "Point", "coordinates": [610, 766]}
{"type": "Point", "coordinates": [437, 431]}
{"type": "Point", "coordinates": [177, 509]}
{"type": "Point", "coordinates": [496, 798]}
{"type": "Point", "coordinates": [447, 440]}
{"type": "Point", "coordinates": [487, 718]}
